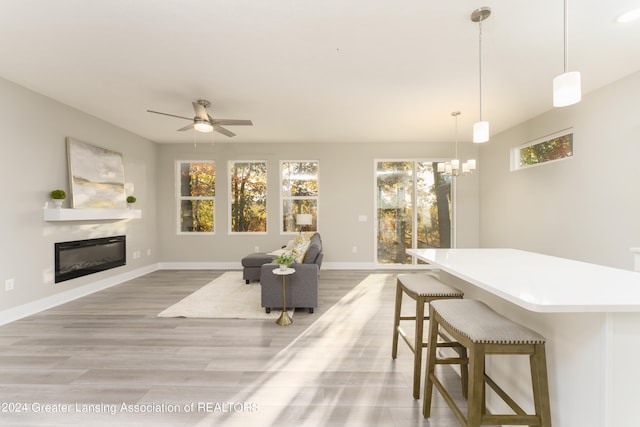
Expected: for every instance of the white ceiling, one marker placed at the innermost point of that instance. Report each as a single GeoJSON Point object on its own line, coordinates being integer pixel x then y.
{"type": "Point", "coordinates": [309, 70]}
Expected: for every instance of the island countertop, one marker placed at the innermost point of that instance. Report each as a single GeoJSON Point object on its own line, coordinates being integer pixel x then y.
{"type": "Point", "coordinates": [540, 283]}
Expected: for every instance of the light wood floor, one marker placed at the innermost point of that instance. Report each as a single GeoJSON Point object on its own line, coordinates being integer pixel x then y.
{"type": "Point", "coordinates": [106, 359]}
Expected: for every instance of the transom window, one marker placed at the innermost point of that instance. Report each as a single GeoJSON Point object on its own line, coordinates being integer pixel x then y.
{"type": "Point", "coordinates": [554, 147]}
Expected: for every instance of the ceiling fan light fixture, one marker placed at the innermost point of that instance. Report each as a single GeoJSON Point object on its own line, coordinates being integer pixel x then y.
{"type": "Point", "coordinates": [566, 89]}
{"type": "Point", "coordinates": [202, 126]}
{"type": "Point", "coordinates": [203, 122]}
{"type": "Point", "coordinates": [480, 132]}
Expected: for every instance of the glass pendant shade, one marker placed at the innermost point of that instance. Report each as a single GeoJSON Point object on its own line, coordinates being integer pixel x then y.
{"type": "Point", "coordinates": [566, 89]}
{"type": "Point", "coordinates": [480, 132]}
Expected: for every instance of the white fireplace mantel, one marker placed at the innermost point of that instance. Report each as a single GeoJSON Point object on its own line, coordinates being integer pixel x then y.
{"type": "Point", "coordinates": [60, 214]}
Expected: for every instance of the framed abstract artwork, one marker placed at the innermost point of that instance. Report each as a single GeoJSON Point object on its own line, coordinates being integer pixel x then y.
{"type": "Point", "coordinates": [96, 176]}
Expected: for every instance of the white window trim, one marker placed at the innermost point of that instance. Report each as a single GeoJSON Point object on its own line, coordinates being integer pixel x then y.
{"type": "Point", "coordinates": [515, 151]}
{"type": "Point", "coordinates": [316, 198]}
{"type": "Point", "coordinates": [374, 215]}
{"type": "Point", "coordinates": [179, 198]}
{"type": "Point", "coordinates": [230, 198]}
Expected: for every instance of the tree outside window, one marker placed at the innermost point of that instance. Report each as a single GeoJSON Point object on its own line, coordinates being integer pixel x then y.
{"type": "Point", "coordinates": [549, 149]}
{"type": "Point", "coordinates": [413, 209]}
{"type": "Point", "coordinates": [248, 195]}
{"type": "Point", "coordinates": [299, 193]}
{"type": "Point", "coordinates": [196, 197]}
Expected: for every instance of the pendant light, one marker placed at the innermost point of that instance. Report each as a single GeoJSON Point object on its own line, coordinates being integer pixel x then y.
{"type": "Point", "coordinates": [481, 127]}
{"type": "Point", "coordinates": [566, 86]}
{"type": "Point", "coordinates": [453, 167]}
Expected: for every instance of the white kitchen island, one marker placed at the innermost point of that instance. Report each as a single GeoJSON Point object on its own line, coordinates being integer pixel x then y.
{"type": "Point", "coordinates": [590, 315]}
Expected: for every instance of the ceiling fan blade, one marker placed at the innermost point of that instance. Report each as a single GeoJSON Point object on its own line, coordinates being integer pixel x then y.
{"type": "Point", "coordinates": [186, 127]}
{"type": "Point", "coordinates": [200, 111]}
{"type": "Point", "coordinates": [232, 122]}
{"type": "Point", "coordinates": [223, 131]}
{"type": "Point", "coordinates": [171, 115]}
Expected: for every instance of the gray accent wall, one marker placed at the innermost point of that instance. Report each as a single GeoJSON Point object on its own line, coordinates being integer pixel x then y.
{"type": "Point", "coordinates": [586, 208]}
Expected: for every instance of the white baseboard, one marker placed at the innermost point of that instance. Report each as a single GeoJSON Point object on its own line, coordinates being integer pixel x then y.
{"type": "Point", "coordinates": [21, 311]}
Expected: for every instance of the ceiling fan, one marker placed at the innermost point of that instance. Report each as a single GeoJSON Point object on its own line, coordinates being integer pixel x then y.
{"type": "Point", "coordinates": [203, 122]}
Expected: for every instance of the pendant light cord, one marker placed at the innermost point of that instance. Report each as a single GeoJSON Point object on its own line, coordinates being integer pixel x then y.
{"type": "Point", "coordinates": [566, 35]}
{"type": "Point", "coordinates": [480, 64]}
{"type": "Point", "coordinates": [455, 114]}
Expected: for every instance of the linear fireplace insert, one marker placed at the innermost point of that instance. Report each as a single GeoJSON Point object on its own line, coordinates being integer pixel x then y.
{"type": "Point", "coordinates": [81, 257]}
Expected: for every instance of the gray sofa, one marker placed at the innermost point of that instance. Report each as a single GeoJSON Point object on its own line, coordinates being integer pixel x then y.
{"type": "Point", "coordinates": [302, 286]}
{"type": "Point", "coordinates": [251, 265]}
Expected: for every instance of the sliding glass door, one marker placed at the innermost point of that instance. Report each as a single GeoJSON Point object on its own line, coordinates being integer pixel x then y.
{"type": "Point", "coordinates": [413, 206]}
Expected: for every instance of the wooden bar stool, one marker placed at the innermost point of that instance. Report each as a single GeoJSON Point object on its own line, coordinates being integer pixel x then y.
{"type": "Point", "coordinates": [423, 288]}
{"type": "Point", "coordinates": [483, 331]}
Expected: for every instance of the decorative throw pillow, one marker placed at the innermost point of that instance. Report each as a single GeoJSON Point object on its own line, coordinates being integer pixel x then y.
{"type": "Point", "coordinates": [300, 246]}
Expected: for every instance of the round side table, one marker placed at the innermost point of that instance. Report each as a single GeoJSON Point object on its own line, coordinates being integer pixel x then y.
{"type": "Point", "coordinates": [284, 318]}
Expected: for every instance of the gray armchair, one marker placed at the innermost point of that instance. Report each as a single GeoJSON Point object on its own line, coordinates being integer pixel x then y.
{"type": "Point", "coordinates": [302, 286]}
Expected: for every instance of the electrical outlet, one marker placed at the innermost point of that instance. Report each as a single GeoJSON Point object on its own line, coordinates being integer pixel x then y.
{"type": "Point", "coordinates": [256, 249]}
{"type": "Point", "coordinates": [8, 285]}
{"type": "Point", "coordinates": [354, 249]}
{"type": "Point", "coordinates": [148, 252]}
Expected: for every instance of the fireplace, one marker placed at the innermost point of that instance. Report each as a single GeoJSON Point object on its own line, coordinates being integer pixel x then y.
{"type": "Point", "coordinates": [81, 257]}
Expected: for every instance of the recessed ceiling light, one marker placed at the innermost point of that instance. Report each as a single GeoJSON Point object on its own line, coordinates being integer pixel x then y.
{"type": "Point", "coordinates": [632, 15]}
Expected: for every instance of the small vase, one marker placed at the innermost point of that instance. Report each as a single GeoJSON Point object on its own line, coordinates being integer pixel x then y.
{"type": "Point", "coordinates": [57, 203]}
{"type": "Point", "coordinates": [283, 267]}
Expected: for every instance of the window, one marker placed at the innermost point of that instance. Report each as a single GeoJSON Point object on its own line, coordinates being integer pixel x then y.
{"type": "Point", "coordinates": [413, 209]}
{"type": "Point", "coordinates": [299, 194]}
{"type": "Point", "coordinates": [248, 195]}
{"type": "Point", "coordinates": [196, 196]}
{"type": "Point", "coordinates": [548, 149]}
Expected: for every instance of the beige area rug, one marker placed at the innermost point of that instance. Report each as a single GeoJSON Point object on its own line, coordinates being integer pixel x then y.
{"type": "Point", "coordinates": [227, 297]}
